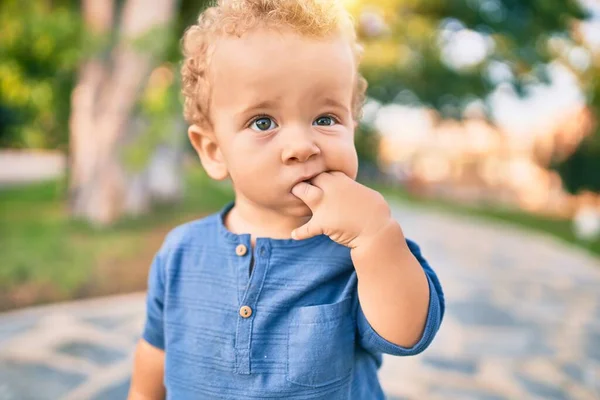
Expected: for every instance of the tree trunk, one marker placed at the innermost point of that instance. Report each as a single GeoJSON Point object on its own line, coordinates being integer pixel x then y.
{"type": "Point", "coordinates": [102, 103]}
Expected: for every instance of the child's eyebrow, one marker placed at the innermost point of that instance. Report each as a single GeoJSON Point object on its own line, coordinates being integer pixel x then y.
{"type": "Point", "coordinates": [262, 105]}
{"type": "Point", "coordinates": [329, 101]}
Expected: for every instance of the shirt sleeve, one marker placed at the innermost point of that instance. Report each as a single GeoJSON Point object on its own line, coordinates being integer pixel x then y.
{"type": "Point", "coordinates": [154, 328]}
{"type": "Point", "coordinates": [373, 342]}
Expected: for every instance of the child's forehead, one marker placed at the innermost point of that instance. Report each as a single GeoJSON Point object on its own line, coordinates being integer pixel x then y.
{"type": "Point", "coordinates": [265, 59]}
{"type": "Point", "coordinates": [261, 48]}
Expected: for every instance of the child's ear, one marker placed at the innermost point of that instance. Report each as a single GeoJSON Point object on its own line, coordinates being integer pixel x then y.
{"type": "Point", "coordinates": [205, 144]}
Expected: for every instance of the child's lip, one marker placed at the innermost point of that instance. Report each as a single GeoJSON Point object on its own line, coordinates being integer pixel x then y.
{"type": "Point", "coordinates": [306, 178]}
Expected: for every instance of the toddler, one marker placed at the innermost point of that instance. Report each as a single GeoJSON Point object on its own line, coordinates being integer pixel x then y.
{"type": "Point", "coordinates": [296, 288]}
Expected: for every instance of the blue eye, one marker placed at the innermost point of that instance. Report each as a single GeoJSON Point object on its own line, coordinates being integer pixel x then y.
{"type": "Point", "coordinates": [263, 124]}
{"type": "Point", "coordinates": [325, 120]}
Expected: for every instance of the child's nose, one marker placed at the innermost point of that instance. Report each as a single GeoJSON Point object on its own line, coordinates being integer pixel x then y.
{"type": "Point", "coordinates": [299, 147]}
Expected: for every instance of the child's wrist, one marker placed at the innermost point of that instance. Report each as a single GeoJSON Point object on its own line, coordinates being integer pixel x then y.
{"type": "Point", "coordinates": [390, 229]}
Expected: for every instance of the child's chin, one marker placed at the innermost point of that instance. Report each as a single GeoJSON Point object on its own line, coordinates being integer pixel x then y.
{"type": "Point", "coordinates": [299, 209]}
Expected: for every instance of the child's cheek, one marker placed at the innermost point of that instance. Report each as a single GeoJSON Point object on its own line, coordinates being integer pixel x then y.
{"type": "Point", "coordinates": [352, 164]}
{"type": "Point", "coordinates": [344, 158]}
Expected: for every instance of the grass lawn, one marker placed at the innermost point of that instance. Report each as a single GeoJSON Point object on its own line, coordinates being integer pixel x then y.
{"type": "Point", "coordinates": [557, 227]}
{"type": "Point", "coordinates": [46, 257]}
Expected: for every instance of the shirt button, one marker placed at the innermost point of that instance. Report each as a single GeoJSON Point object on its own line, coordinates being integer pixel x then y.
{"type": "Point", "coordinates": [241, 250]}
{"type": "Point", "coordinates": [245, 312]}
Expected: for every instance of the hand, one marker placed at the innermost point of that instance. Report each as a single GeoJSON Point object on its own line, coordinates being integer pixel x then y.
{"type": "Point", "coordinates": [343, 209]}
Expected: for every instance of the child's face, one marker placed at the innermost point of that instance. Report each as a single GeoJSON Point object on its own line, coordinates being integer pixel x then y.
{"type": "Point", "coordinates": [281, 109]}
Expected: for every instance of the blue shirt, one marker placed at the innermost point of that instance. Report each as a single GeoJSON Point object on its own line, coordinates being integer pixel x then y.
{"type": "Point", "coordinates": [290, 327]}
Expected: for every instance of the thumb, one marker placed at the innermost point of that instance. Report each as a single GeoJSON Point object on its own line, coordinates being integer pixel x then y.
{"type": "Point", "coordinates": [309, 194]}
{"type": "Point", "coordinates": [307, 230]}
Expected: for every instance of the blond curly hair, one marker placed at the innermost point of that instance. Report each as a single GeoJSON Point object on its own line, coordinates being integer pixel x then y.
{"type": "Point", "coordinates": [313, 18]}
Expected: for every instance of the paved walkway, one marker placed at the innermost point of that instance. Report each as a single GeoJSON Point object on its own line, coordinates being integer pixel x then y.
{"type": "Point", "coordinates": [523, 322]}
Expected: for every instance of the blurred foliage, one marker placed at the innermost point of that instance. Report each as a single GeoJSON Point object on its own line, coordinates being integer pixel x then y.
{"type": "Point", "coordinates": [158, 110]}
{"type": "Point", "coordinates": [405, 43]}
{"type": "Point", "coordinates": [581, 170]}
{"type": "Point", "coordinates": [408, 58]}
{"type": "Point", "coordinates": [36, 81]}
{"type": "Point", "coordinates": [366, 141]}
{"type": "Point", "coordinates": [161, 105]}
{"type": "Point", "coordinates": [38, 58]}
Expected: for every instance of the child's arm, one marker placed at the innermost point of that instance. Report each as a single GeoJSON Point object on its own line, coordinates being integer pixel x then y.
{"type": "Point", "coordinates": [148, 369]}
{"type": "Point", "coordinates": [393, 288]}
{"type": "Point", "coordinates": [148, 372]}
{"type": "Point", "coordinates": [401, 302]}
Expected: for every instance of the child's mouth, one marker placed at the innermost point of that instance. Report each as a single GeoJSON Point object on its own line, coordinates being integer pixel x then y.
{"type": "Point", "coordinates": [308, 179]}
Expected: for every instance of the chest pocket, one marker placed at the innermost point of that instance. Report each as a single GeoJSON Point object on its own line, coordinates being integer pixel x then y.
{"type": "Point", "coordinates": [320, 344]}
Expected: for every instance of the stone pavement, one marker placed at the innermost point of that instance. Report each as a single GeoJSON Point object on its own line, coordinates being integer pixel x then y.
{"type": "Point", "coordinates": [522, 322]}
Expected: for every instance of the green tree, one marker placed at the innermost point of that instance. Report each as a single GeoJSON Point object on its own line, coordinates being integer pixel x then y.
{"type": "Point", "coordinates": [406, 59]}
{"type": "Point", "coordinates": [108, 114]}
{"type": "Point", "coordinates": [38, 58]}
{"type": "Point", "coordinates": [405, 44]}
{"type": "Point", "coordinates": [581, 169]}
{"type": "Point", "coordinates": [123, 125]}
{"type": "Point", "coordinates": [127, 131]}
